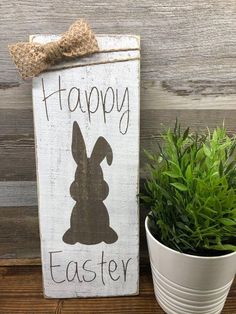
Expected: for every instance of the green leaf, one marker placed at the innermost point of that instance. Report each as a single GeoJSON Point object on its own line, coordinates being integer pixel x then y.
{"type": "Point", "coordinates": [223, 247]}
{"type": "Point", "coordinates": [227, 221]}
{"type": "Point", "coordinates": [215, 135]}
{"type": "Point", "coordinates": [172, 174]}
{"type": "Point", "coordinates": [148, 155]}
{"type": "Point", "coordinates": [232, 148]}
{"type": "Point", "coordinates": [175, 167]}
{"type": "Point", "coordinates": [206, 151]}
{"type": "Point", "coordinates": [146, 199]}
{"type": "Point", "coordinates": [200, 154]}
{"type": "Point", "coordinates": [230, 166]}
{"type": "Point", "coordinates": [180, 186]}
{"type": "Point", "coordinates": [165, 193]}
{"type": "Point", "coordinates": [186, 132]}
{"type": "Point", "coordinates": [182, 226]}
{"type": "Point", "coordinates": [221, 168]}
{"type": "Point", "coordinates": [204, 217]}
{"type": "Point", "coordinates": [188, 173]}
{"type": "Point", "coordinates": [176, 125]}
{"type": "Point", "coordinates": [233, 212]}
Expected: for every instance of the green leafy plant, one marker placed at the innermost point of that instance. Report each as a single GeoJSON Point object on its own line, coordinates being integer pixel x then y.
{"type": "Point", "coordinates": [191, 191]}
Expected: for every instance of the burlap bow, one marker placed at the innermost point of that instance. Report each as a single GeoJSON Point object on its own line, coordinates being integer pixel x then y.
{"type": "Point", "coordinates": [33, 58]}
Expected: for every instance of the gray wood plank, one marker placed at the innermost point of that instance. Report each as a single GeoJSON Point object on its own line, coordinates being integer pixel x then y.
{"type": "Point", "coordinates": [18, 193]}
{"type": "Point", "coordinates": [155, 94]}
{"type": "Point", "coordinates": [17, 153]}
{"type": "Point", "coordinates": [188, 94]}
{"type": "Point", "coordinates": [19, 236]}
{"type": "Point", "coordinates": [17, 157]}
{"type": "Point", "coordinates": [188, 62]}
{"type": "Point", "coordinates": [19, 233]}
{"type": "Point", "coordinates": [16, 123]}
{"type": "Point", "coordinates": [181, 40]}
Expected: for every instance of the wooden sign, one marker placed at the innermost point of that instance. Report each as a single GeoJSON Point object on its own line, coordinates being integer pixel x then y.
{"type": "Point", "coordinates": [86, 117]}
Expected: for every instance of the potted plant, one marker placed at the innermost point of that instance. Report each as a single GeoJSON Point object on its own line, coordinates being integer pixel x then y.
{"type": "Point", "coordinates": [191, 227]}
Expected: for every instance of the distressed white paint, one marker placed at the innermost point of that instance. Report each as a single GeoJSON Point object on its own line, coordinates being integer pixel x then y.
{"type": "Point", "coordinates": [105, 42]}
{"type": "Point", "coordinates": [56, 169]}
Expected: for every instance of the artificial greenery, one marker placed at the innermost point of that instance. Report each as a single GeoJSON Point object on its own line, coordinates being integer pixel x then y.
{"type": "Point", "coordinates": [191, 191]}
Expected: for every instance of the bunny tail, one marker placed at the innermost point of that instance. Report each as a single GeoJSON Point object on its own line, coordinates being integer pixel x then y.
{"type": "Point", "coordinates": [111, 236]}
{"type": "Point", "coordinates": [68, 238]}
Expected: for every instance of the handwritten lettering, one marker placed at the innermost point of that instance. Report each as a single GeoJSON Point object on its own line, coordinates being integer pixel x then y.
{"type": "Point", "coordinates": [108, 101]}
{"type": "Point", "coordinates": [87, 271]}
{"type": "Point", "coordinates": [52, 266]}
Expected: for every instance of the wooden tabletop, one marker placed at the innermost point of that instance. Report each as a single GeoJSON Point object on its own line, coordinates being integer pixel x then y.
{"type": "Point", "coordinates": [21, 292]}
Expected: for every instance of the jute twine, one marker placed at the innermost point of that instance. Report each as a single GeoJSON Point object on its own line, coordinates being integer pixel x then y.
{"type": "Point", "coordinates": [34, 58]}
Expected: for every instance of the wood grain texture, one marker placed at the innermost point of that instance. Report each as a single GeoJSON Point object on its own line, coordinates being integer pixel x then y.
{"type": "Point", "coordinates": [20, 261]}
{"type": "Point", "coordinates": [187, 68]}
{"type": "Point", "coordinates": [19, 237]}
{"type": "Point", "coordinates": [184, 40]}
{"type": "Point", "coordinates": [19, 234]}
{"type": "Point", "coordinates": [188, 51]}
{"type": "Point", "coordinates": [18, 193]}
{"type": "Point", "coordinates": [24, 193]}
{"type": "Point", "coordinates": [17, 153]}
{"type": "Point", "coordinates": [21, 292]}
{"type": "Point", "coordinates": [155, 94]}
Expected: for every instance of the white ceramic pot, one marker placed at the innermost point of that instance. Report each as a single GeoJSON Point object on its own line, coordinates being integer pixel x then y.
{"type": "Point", "coordinates": [188, 284]}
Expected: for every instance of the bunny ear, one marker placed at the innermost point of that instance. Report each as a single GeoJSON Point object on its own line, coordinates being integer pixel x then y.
{"type": "Point", "coordinates": [78, 147]}
{"type": "Point", "coordinates": [101, 150]}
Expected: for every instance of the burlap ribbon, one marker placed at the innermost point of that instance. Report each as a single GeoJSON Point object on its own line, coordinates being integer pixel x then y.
{"type": "Point", "coordinates": [33, 58]}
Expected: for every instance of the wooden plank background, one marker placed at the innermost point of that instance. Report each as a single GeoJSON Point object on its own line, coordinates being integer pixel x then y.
{"type": "Point", "coordinates": [188, 70]}
{"type": "Point", "coordinates": [21, 292]}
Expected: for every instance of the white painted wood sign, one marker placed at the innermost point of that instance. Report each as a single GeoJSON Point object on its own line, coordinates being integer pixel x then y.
{"type": "Point", "coordinates": [86, 117]}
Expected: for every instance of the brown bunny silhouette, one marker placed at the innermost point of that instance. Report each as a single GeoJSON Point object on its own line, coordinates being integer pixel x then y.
{"type": "Point", "coordinates": [89, 223]}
